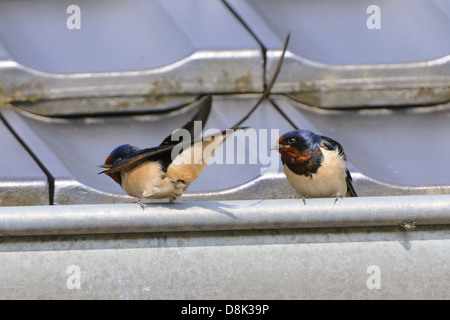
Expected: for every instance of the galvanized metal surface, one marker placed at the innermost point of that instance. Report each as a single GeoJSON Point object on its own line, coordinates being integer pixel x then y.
{"type": "Point", "coordinates": [406, 147]}
{"type": "Point", "coordinates": [392, 161]}
{"type": "Point", "coordinates": [22, 182]}
{"type": "Point", "coordinates": [367, 67]}
{"type": "Point", "coordinates": [225, 215]}
{"type": "Point", "coordinates": [166, 48]}
{"type": "Point", "coordinates": [216, 54]}
{"type": "Point", "coordinates": [286, 261]}
{"type": "Point", "coordinates": [336, 34]}
{"type": "Point", "coordinates": [256, 248]}
{"type": "Point", "coordinates": [268, 264]}
{"type": "Point", "coordinates": [68, 151]}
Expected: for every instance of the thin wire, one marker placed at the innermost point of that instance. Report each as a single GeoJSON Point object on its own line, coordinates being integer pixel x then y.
{"type": "Point", "coordinates": [269, 86]}
{"type": "Point", "coordinates": [283, 114]}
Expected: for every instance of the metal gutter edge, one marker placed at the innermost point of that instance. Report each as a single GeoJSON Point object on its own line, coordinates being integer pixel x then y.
{"type": "Point", "coordinates": [224, 215]}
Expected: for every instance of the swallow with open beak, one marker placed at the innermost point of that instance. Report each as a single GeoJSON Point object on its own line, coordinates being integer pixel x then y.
{"type": "Point", "coordinates": [158, 172]}
{"type": "Point", "coordinates": [314, 165]}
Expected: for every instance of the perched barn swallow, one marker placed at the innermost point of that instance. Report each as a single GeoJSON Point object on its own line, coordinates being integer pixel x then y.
{"type": "Point", "coordinates": [154, 172]}
{"type": "Point", "coordinates": [315, 166]}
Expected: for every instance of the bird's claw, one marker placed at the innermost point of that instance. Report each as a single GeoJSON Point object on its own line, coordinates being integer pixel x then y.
{"type": "Point", "coordinates": [304, 199]}
{"type": "Point", "coordinates": [337, 197]}
{"type": "Point", "coordinates": [139, 202]}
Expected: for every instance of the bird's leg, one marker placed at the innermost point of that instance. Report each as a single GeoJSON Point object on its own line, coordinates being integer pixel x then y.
{"type": "Point", "coordinates": [337, 197]}
{"type": "Point", "coordinates": [139, 202]}
{"type": "Point", "coordinates": [172, 199]}
{"type": "Point", "coordinates": [304, 198]}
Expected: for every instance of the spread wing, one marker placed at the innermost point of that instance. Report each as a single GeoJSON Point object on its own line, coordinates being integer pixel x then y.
{"type": "Point", "coordinates": [202, 115]}
{"type": "Point", "coordinates": [331, 145]}
{"type": "Point", "coordinates": [163, 152]}
{"type": "Point", "coordinates": [160, 153]}
{"type": "Point", "coordinates": [193, 157]}
{"type": "Point", "coordinates": [165, 155]}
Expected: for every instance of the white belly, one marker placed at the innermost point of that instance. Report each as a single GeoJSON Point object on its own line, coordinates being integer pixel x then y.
{"type": "Point", "coordinates": [145, 181]}
{"type": "Point", "coordinates": [329, 180]}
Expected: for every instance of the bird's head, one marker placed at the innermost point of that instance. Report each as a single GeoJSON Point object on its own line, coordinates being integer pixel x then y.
{"type": "Point", "coordinates": [116, 155]}
{"type": "Point", "coordinates": [297, 146]}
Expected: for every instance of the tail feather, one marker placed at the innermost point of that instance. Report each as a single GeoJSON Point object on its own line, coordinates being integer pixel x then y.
{"type": "Point", "coordinates": [350, 190]}
{"type": "Point", "coordinates": [192, 158]}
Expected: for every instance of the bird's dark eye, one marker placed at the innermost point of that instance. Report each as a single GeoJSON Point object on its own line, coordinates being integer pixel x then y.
{"type": "Point", "coordinates": [291, 140]}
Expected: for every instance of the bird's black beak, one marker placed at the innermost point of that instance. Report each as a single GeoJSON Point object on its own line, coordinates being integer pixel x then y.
{"type": "Point", "coordinates": [107, 167]}
{"type": "Point", "coordinates": [278, 146]}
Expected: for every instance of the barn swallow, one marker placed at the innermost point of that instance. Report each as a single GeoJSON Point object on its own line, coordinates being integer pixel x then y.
{"type": "Point", "coordinates": [155, 172]}
{"type": "Point", "coordinates": [314, 165]}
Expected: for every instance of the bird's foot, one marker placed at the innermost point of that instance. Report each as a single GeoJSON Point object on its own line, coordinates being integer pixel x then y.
{"type": "Point", "coordinates": [139, 202]}
{"type": "Point", "coordinates": [337, 197]}
{"type": "Point", "coordinates": [304, 198]}
{"type": "Point", "coordinates": [172, 199]}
